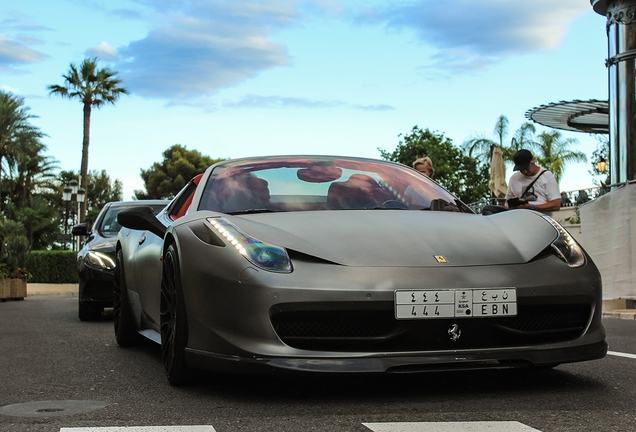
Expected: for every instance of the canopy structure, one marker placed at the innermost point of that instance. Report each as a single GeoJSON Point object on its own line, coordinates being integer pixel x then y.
{"type": "Point", "coordinates": [591, 116]}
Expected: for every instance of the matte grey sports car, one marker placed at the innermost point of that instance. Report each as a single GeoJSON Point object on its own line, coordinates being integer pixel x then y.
{"type": "Point", "coordinates": [340, 264]}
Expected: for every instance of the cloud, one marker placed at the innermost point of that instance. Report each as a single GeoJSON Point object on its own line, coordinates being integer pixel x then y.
{"type": "Point", "coordinates": [30, 40]}
{"type": "Point", "coordinates": [127, 14]}
{"type": "Point", "coordinates": [14, 53]}
{"type": "Point", "coordinates": [6, 88]}
{"type": "Point", "coordinates": [103, 51]}
{"type": "Point", "coordinates": [15, 50]}
{"type": "Point", "coordinates": [201, 46]}
{"type": "Point", "coordinates": [256, 101]}
{"type": "Point", "coordinates": [473, 34]}
{"type": "Point", "coordinates": [381, 107]}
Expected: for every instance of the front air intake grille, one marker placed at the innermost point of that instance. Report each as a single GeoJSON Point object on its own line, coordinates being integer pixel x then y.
{"type": "Point", "coordinates": [378, 330]}
{"type": "Point", "coordinates": [547, 318]}
{"type": "Point", "coordinates": [338, 325]}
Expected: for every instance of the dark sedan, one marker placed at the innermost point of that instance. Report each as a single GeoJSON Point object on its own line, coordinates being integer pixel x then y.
{"type": "Point", "coordinates": [96, 259]}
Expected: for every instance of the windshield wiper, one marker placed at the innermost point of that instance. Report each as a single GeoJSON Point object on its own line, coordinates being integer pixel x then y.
{"type": "Point", "coordinates": [383, 208]}
{"type": "Point", "coordinates": [253, 211]}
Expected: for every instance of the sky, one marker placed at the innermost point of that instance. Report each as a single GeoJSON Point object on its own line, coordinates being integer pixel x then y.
{"type": "Point", "coordinates": [236, 78]}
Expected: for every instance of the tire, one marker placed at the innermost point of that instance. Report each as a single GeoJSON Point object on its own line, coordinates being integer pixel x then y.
{"type": "Point", "coordinates": [88, 311]}
{"type": "Point", "coordinates": [123, 319]}
{"type": "Point", "coordinates": [174, 323]}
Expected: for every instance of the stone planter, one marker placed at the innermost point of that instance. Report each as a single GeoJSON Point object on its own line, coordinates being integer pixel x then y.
{"type": "Point", "coordinates": [15, 289]}
{"type": "Point", "coordinates": [5, 289]}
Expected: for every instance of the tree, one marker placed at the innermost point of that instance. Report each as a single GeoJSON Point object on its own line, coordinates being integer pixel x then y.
{"type": "Point", "coordinates": [34, 172]}
{"type": "Point", "coordinates": [601, 153]}
{"type": "Point", "coordinates": [458, 173]}
{"type": "Point", "coordinates": [164, 179]}
{"type": "Point", "coordinates": [15, 129]}
{"type": "Point", "coordinates": [480, 147]}
{"type": "Point", "coordinates": [30, 174]}
{"type": "Point", "coordinates": [93, 87]}
{"type": "Point", "coordinates": [554, 152]}
{"type": "Point", "coordinates": [101, 190]}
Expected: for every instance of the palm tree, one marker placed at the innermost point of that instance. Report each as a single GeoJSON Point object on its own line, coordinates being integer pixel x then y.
{"type": "Point", "coordinates": [523, 139]}
{"type": "Point", "coordinates": [554, 152]}
{"type": "Point", "coordinates": [480, 147]}
{"type": "Point", "coordinates": [33, 175]}
{"type": "Point", "coordinates": [93, 87]}
{"type": "Point", "coordinates": [14, 128]}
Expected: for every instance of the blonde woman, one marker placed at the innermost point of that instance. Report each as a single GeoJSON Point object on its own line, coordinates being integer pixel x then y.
{"type": "Point", "coordinates": [425, 166]}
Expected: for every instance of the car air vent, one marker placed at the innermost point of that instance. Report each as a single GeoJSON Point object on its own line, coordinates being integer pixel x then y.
{"type": "Point", "coordinates": [303, 257]}
{"type": "Point", "coordinates": [205, 234]}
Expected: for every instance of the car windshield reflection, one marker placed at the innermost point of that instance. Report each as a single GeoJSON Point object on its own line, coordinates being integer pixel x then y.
{"type": "Point", "coordinates": [308, 184]}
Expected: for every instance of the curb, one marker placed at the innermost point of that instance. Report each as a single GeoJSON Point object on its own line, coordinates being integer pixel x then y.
{"type": "Point", "coordinates": [37, 289]}
{"type": "Point", "coordinates": [627, 314]}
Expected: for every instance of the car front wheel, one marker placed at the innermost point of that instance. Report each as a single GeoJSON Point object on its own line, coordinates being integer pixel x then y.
{"type": "Point", "coordinates": [174, 324]}
{"type": "Point", "coordinates": [123, 319]}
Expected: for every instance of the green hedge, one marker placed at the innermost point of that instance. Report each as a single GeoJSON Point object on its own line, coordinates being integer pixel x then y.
{"type": "Point", "coordinates": [52, 266]}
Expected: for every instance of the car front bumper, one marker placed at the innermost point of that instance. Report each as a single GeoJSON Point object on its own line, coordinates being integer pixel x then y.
{"type": "Point", "coordinates": [234, 316]}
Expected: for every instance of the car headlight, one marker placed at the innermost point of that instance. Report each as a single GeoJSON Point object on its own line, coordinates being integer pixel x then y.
{"type": "Point", "coordinates": [565, 247]}
{"type": "Point", "coordinates": [100, 260]}
{"type": "Point", "coordinates": [265, 255]}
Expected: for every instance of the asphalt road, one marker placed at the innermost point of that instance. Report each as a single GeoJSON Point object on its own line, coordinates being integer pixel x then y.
{"type": "Point", "coordinates": [57, 372]}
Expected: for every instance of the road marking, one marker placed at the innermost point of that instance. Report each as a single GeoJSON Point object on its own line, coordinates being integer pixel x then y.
{"type": "Point", "coordinates": [141, 429]}
{"type": "Point", "coordinates": [620, 354]}
{"type": "Point", "coordinates": [479, 426]}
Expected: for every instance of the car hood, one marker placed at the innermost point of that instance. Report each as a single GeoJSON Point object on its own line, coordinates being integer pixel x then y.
{"type": "Point", "coordinates": [405, 238]}
{"type": "Point", "coordinates": [102, 244]}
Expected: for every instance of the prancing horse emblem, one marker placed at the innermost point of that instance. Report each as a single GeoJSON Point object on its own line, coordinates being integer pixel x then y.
{"type": "Point", "coordinates": [454, 332]}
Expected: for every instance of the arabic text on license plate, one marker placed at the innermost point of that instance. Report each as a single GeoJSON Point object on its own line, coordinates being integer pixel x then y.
{"type": "Point", "coordinates": [455, 303]}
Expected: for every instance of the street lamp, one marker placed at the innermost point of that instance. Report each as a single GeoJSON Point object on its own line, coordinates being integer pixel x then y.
{"type": "Point", "coordinates": [72, 193]}
{"type": "Point", "coordinates": [601, 165]}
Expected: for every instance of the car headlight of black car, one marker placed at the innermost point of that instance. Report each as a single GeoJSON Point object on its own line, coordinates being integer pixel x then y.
{"type": "Point", "coordinates": [100, 260]}
{"type": "Point", "coordinates": [265, 255]}
{"type": "Point", "coordinates": [565, 247]}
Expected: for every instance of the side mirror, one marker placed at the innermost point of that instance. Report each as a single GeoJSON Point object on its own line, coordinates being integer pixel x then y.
{"type": "Point", "coordinates": [141, 218]}
{"type": "Point", "coordinates": [80, 229]}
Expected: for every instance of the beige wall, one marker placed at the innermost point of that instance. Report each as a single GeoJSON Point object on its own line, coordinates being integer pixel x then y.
{"type": "Point", "coordinates": [609, 236]}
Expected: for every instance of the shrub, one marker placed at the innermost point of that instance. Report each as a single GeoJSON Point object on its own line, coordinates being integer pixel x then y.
{"type": "Point", "coordinates": [52, 266]}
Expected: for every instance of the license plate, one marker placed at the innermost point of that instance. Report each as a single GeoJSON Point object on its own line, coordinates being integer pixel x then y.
{"type": "Point", "coordinates": [455, 303]}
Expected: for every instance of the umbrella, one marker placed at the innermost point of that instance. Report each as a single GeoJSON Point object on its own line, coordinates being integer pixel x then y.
{"type": "Point", "coordinates": [497, 184]}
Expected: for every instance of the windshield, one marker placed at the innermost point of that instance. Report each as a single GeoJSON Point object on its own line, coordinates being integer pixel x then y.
{"type": "Point", "coordinates": [109, 227]}
{"type": "Point", "coordinates": [322, 184]}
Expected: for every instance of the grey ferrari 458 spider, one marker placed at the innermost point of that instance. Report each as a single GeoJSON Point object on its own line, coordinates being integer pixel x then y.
{"type": "Point", "coordinates": [340, 264]}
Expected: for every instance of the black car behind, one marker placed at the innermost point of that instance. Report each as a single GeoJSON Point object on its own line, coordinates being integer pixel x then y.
{"type": "Point", "coordinates": [96, 259]}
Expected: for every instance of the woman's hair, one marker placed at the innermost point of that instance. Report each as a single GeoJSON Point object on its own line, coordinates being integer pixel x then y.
{"type": "Point", "coordinates": [426, 161]}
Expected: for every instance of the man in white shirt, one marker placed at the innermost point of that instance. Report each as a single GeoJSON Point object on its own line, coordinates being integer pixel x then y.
{"type": "Point", "coordinates": [532, 187]}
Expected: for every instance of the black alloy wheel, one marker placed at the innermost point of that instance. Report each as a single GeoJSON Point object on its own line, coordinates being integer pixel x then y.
{"type": "Point", "coordinates": [174, 324]}
{"type": "Point", "coordinates": [123, 319]}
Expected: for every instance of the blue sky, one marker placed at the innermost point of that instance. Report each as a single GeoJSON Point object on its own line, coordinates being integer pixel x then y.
{"type": "Point", "coordinates": [235, 78]}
